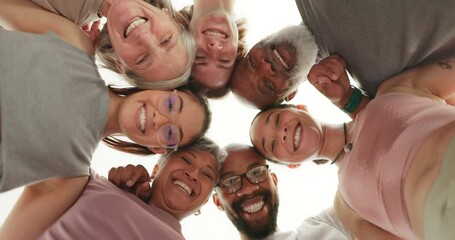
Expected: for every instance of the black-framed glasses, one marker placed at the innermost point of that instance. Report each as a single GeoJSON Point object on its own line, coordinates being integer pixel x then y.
{"type": "Point", "coordinates": [234, 183]}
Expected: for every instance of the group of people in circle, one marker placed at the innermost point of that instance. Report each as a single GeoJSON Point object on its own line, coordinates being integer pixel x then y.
{"type": "Point", "coordinates": [395, 157]}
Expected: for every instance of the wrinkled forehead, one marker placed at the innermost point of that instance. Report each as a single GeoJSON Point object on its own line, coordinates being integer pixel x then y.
{"type": "Point", "coordinates": [238, 161]}
{"type": "Point", "coordinates": [244, 86]}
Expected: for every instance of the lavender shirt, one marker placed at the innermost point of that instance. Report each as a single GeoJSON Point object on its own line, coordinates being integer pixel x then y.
{"type": "Point", "coordinates": [103, 211]}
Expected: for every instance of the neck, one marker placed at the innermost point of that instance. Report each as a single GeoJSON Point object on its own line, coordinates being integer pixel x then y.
{"type": "Point", "coordinates": [244, 237]}
{"type": "Point", "coordinates": [333, 141]}
{"type": "Point", "coordinates": [112, 125]}
{"type": "Point", "coordinates": [104, 7]}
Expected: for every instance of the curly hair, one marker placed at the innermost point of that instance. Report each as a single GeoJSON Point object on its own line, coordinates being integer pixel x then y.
{"type": "Point", "coordinates": [203, 144]}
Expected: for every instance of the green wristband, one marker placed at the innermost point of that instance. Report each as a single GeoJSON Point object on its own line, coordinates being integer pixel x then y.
{"type": "Point", "coordinates": [354, 101]}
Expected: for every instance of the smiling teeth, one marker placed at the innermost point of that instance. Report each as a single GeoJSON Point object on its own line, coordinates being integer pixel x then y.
{"type": "Point", "coordinates": [254, 207]}
{"type": "Point", "coordinates": [135, 23]}
{"type": "Point", "coordinates": [297, 136]}
{"type": "Point", "coordinates": [183, 186]}
{"type": "Point", "coordinates": [142, 119]}
{"type": "Point", "coordinates": [277, 55]}
{"type": "Point", "coordinates": [215, 34]}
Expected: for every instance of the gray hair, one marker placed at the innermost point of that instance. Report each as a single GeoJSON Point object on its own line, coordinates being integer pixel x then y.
{"type": "Point", "coordinates": [204, 144]}
{"type": "Point", "coordinates": [108, 57]}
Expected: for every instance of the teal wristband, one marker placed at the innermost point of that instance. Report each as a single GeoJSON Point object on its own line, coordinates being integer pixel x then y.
{"type": "Point", "coordinates": [354, 101]}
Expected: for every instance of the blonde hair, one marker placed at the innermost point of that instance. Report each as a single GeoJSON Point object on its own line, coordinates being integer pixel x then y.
{"type": "Point", "coordinates": [108, 57]}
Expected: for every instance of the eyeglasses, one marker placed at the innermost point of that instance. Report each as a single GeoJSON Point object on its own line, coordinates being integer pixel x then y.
{"type": "Point", "coordinates": [234, 183]}
{"type": "Point", "coordinates": [169, 134]}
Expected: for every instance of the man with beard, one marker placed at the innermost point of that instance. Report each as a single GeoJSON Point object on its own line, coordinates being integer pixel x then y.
{"type": "Point", "coordinates": [377, 39]}
{"type": "Point", "coordinates": [247, 192]}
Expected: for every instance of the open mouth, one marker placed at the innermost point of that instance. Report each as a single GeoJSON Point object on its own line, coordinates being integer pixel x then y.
{"type": "Point", "coordinates": [214, 33]}
{"type": "Point", "coordinates": [297, 135]}
{"type": "Point", "coordinates": [184, 187]}
{"type": "Point", "coordinates": [280, 59]}
{"type": "Point", "coordinates": [253, 208]}
{"type": "Point", "coordinates": [142, 118]}
{"type": "Point", "coordinates": [136, 22]}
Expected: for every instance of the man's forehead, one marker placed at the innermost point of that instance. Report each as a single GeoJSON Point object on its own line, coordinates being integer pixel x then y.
{"type": "Point", "coordinates": [241, 159]}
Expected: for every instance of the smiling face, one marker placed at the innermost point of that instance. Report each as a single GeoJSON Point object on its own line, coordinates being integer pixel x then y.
{"type": "Point", "coordinates": [155, 118]}
{"type": "Point", "coordinates": [253, 208]}
{"type": "Point", "coordinates": [147, 40]}
{"type": "Point", "coordinates": [183, 182]}
{"type": "Point", "coordinates": [274, 67]}
{"type": "Point", "coordinates": [216, 38]}
{"type": "Point", "coordinates": [286, 135]}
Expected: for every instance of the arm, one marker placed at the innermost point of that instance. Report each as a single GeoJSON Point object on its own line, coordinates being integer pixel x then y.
{"type": "Point", "coordinates": [435, 81]}
{"type": "Point", "coordinates": [81, 12]}
{"type": "Point", "coordinates": [34, 19]}
{"type": "Point", "coordinates": [360, 228]}
{"type": "Point", "coordinates": [329, 77]}
{"type": "Point", "coordinates": [40, 205]}
{"type": "Point", "coordinates": [133, 179]}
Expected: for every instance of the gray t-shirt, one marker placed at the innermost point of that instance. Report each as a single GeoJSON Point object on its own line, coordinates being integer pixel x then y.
{"type": "Point", "coordinates": [80, 12]}
{"type": "Point", "coordinates": [380, 38]}
{"type": "Point", "coordinates": [53, 108]}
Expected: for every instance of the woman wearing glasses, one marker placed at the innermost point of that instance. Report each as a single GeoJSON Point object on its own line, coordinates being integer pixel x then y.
{"type": "Point", "coordinates": [182, 182]}
{"type": "Point", "coordinates": [55, 108]}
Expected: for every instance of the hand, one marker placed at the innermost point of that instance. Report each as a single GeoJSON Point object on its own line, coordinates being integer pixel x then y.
{"type": "Point", "coordinates": [134, 179]}
{"type": "Point", "coordinates": [330, 78]}
{"type": "Point", "coordinates": [92, 30]}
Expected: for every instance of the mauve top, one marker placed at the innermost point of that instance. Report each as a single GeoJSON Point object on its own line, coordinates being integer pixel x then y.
{"type": "Point", "coordinates": [104, 211]}
{"type": "Point", "coordinates": [387, 135]}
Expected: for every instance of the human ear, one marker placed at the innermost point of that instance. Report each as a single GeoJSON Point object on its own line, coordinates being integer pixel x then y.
{"type": "Point", "coordinates": [274, 178]}
{"type": "Point", "coordinates": [302, 107]}
{"type": "Point", "coordinates": [158, 150]}
{"type": "Point", "coordinates": [292, 166]}
{"type": "Point", "coordinates": [217, 202]}
{"type": "Point", "coordinates": [119, 66]}
{"type": "Point", "coordinates": [290, 96]}
{"type": "Point", "coordinates": [155, 170]}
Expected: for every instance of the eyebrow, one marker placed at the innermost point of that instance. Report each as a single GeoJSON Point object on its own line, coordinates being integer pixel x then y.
{"type": "Point", "coordinates": [180, 111]}
{"type": "Point", "coordinates": [181, 103]}
{"type": "Point", "coordinates": [267, 120]}
{"type": "Point", "coordinates": [248, 168]}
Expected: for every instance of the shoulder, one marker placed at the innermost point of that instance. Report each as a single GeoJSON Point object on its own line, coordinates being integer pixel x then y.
{"type": "Point", "coordinates": [35, 19]}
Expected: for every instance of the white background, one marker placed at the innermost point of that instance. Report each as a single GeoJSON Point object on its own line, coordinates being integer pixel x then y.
{"type": "Point", "coordinates": [303, 191]}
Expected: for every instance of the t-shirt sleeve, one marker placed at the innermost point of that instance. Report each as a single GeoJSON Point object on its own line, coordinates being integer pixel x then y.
{"type": "Point", "coordinates": [80, 12]}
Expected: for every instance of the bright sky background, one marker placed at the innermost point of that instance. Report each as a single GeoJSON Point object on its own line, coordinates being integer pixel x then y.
{"type": "Point", "coordinates": [303, 191]}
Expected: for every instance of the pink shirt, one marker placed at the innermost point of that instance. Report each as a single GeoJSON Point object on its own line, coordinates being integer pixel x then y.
{"type": "Point", "coordinates": [388, 133]}
{"type": "Point", "coordinates": [103, 211]}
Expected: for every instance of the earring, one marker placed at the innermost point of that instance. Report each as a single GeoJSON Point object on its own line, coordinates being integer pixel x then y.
{"type": "Point", "coordinates": [198, 212]}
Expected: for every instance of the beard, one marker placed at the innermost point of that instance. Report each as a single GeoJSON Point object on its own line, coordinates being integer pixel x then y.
{"type": "Point", "coordinates": [300, 39]}
{"type": "Point", "coordinates": [261, 228]}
